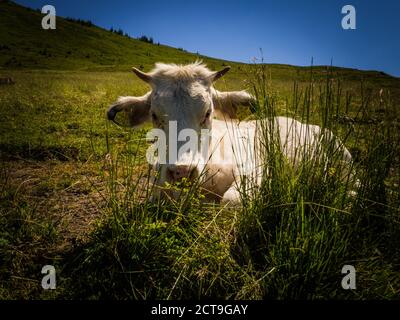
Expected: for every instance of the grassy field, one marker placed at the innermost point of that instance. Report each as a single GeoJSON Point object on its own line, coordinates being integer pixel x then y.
{"type": "Point", "coordinates": [73, 186]}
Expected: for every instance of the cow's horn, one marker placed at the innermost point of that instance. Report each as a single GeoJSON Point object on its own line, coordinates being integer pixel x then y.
{"type": "Point", "coordinates": [142, 75]}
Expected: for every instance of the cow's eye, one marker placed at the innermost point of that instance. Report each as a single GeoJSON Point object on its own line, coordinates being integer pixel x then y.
{"type": "Point", "coordinates": [154, 116]}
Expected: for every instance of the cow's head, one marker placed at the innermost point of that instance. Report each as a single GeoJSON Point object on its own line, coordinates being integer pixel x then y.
{"type": "Point", "coordinates": [184, 97]}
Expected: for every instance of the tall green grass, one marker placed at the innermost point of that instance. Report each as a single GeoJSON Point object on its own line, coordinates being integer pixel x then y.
{"type": "Point", "coordinates": [288, 240]}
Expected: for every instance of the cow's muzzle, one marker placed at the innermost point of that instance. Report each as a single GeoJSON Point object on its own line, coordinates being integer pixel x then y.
{"type": "Point", "coordinates": [177, 173]}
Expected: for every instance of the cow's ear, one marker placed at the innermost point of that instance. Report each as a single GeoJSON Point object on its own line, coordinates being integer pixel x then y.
{"type": "Point", "coordinates": [137, 109]}
{"type": "Point", "coordinates": [226, 103]}
{"type": "Point", "coordinates": [218, 74]}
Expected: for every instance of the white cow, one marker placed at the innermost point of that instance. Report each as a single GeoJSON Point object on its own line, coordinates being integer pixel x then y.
{"type": "Point", "coordinates": [184, 95]}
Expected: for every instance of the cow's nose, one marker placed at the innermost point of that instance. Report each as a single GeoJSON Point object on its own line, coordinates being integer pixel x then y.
{"type": "Point", "coordinates": [177, 172]}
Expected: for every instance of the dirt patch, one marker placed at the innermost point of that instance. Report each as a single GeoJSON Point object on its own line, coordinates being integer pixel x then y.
{"type": "Point", "coordinates": [70, 194]}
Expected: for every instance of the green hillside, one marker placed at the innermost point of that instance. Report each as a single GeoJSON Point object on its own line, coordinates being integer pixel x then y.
{"type": "Point", "coordinates": [73, 46]}
{"type": "Point", "coordinates": [24, 44]}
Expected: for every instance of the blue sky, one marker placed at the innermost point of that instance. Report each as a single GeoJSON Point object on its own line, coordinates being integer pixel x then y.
{"type": "Point", "coordinates": [290, 32]}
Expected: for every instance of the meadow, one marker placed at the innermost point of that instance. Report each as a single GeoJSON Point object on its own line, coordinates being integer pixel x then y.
{"type": "Point", "coordinates": [74, 196]}
{"type": "Point", "coordinates": [74, 187]}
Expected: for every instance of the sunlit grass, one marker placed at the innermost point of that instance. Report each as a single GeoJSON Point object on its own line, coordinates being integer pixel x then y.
{"type": "Point", "coordinates": [289, 240]}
